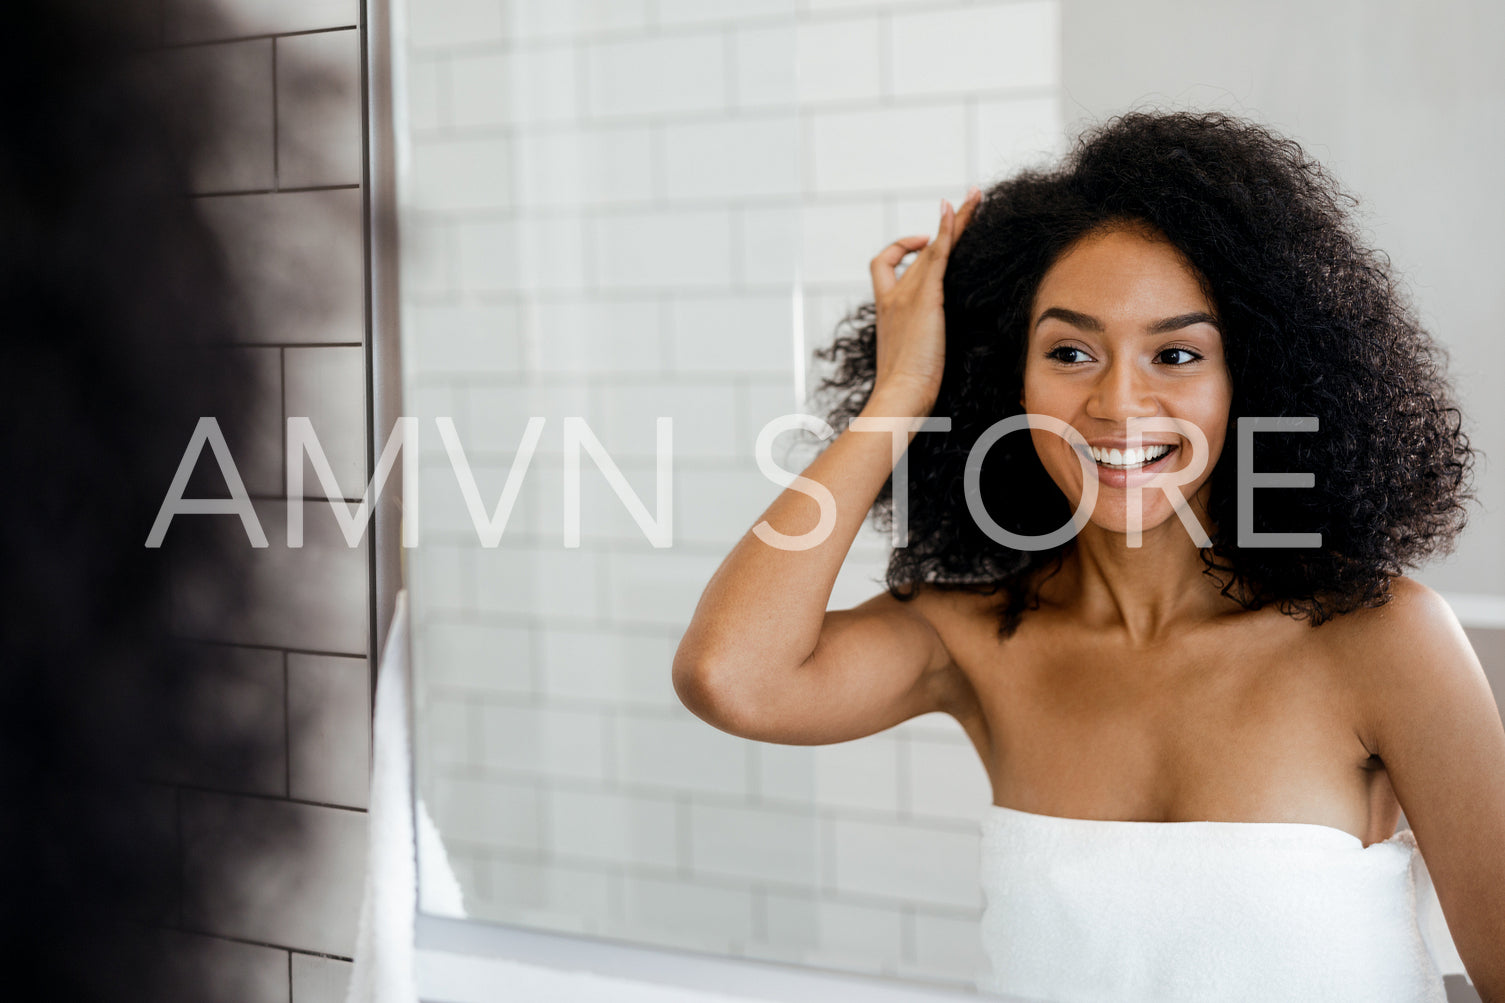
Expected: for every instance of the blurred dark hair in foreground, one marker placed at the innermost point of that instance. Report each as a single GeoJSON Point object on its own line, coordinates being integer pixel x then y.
{"type": "Point", "coordinates": [116, 304]}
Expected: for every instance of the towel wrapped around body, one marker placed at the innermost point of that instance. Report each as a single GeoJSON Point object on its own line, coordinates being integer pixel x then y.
{"type": "Point", "coordinates": [1081, 910]}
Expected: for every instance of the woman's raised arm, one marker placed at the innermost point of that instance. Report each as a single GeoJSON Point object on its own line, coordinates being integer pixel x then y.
{"type": "Point", "coordinates": [762, 657]}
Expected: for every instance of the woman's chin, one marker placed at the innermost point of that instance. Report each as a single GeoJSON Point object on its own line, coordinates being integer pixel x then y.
{"type": "Point", "coordinates": [1114, 521]}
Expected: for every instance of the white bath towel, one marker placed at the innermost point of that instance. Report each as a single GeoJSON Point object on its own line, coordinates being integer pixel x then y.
{"type": "Point", "coordinates": [1161, 912]}
{"type": "Point", "coordinates": [383, 970]}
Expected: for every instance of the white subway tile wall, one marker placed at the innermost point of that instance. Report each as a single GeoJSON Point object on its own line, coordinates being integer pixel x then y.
{"type": "Point", "coordinates": [318, 109]}
{"type": "Point", "coordinates": [310, 598]}
{"type": "Point", "coordinates": [249, 973]}
{"type": "Point", "coordinates": [243, 157]}
{"type": "Point", "coordinates": [319, 980]}
{"type": "Point", "coordinates": [283, 189]}
{"type": "Point", "coordinates": [455, 23]}
{"type": "Point", "coordinates": [628, 210]}
{"type": "Point", "coordinates": [202, 20]}
{"type": "Point", "coordinates": [819, 931]}
{"type": "Point", "coordinates": [617, 828]}
{"type": "Point", "coordinates": [299, 256]}
{"type": "Point", "coordinates": [309, 901]}
{"type": "Point", "coordinates": [329, 735]}
{"type": "Point", "coordinates": [247, 687]}
{"type": "Point", "coordinates": [257, 448]}
{"type": "Point", "coordinates": [327, 385]}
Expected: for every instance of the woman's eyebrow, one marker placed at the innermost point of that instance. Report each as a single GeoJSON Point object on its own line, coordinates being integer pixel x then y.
{"type": "Point", "coordinates": [1089, 323]}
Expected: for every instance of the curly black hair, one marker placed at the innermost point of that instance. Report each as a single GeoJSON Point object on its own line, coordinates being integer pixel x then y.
{"type": "Point", "coordinates": [1313, 322]}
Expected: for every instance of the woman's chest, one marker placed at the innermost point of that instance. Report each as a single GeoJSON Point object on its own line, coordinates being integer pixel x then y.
{"type": "Point", "coordinates": [1252, 724]}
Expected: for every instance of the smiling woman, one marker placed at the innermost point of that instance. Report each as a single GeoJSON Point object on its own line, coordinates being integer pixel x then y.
{"type": "Point", "coordinates": [1115, 358]}
{"type": "Point", "coordinates": [1312, 323]}
{"type": "Point", "coordinates": [1199, 745]}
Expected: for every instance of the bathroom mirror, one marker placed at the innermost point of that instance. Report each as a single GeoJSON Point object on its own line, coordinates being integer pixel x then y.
{"type": "Point", "coordinates": [612, 213]}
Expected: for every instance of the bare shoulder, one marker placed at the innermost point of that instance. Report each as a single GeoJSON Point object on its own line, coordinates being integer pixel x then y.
{"type": "Point", "coordinates": [1411, 649]}
{"type": "Point", "coordinates": [1414, 604]}
{"type": "Point", "coordinates": [1414, 627]}
{"type": "Point", "coordinates": [943, 606]}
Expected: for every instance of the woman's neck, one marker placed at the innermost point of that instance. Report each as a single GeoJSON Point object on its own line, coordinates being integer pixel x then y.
{"type": "Point", "coordinates": [1148, 594]}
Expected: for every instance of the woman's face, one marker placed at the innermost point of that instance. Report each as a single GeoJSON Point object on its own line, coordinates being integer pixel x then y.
{"type": "Point", "coordinates": [1120, 329]}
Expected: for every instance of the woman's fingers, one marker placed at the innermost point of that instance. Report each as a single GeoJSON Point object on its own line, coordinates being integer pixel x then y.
{"type": "Point", "coordinates": [911, 321]}
{"type": "Point", "coordinates": [968, 209]}
{"type": "Point", "coordinates": [953, 221]}
{"type": "Point", "coordinates": [882, 267]}
{"type": "Point", "coordinates": [941, 246]}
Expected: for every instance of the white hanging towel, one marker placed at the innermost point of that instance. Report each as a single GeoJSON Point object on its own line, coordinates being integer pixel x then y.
{"type": "Point", "coordinates": [384, 969]}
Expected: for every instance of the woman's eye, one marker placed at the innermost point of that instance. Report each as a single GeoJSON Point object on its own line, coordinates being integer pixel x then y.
{"type": "Point", "coordinates": [1065, 353]}
{"type": "Point", "coordinates": [1187, 356]}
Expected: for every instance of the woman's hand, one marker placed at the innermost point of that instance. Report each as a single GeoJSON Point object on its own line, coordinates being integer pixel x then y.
{"type": "Point", "coordinates": [911, 322]}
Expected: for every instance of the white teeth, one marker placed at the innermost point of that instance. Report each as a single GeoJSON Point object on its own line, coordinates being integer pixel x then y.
{"type": "Point", "coordinates": [1129, 457]}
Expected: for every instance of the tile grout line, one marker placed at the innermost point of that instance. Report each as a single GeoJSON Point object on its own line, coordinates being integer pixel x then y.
{"type": "Point", "coordinates": [287, 727]}
{"type": "Point", "coordinates": [201, 43]}
{"type": "Point", "coordinates": [276, 154]}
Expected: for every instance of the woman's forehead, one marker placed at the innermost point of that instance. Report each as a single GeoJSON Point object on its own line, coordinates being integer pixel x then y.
{"type": "Point", "coordinates": [1121, 276]}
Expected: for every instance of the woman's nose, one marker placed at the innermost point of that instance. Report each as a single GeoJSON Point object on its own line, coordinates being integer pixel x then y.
{"type": "Point", "coordinates": [1122, 392]}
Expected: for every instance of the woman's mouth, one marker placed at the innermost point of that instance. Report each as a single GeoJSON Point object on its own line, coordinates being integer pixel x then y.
{"type": "Point", "coordinates": [1131, 467]}
{"type": "Point", "coordinates": [1130, 459]}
